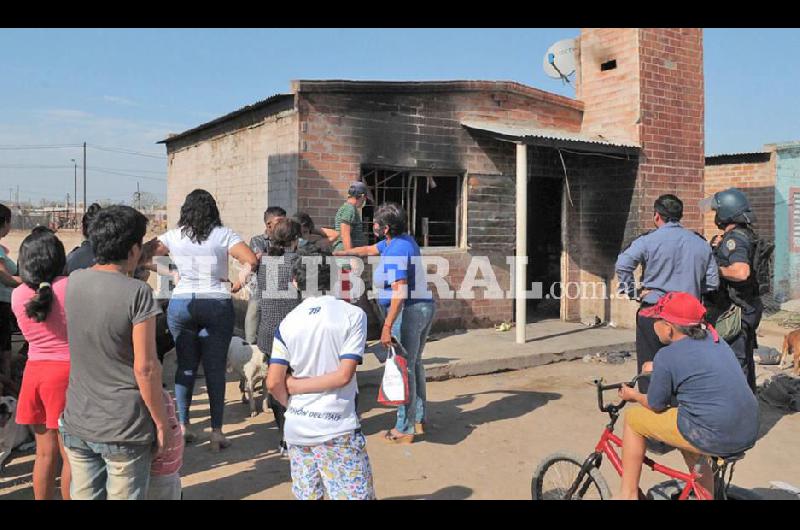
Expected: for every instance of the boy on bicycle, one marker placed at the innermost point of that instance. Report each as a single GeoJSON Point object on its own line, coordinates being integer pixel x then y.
{"type": "Point", "coordinates": [717, 414]}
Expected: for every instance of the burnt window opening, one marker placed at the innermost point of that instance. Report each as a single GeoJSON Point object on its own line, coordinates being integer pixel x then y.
{"type": "Point", "coordinates": [608, 65]}
{"type": "Point", "coordinates": [432, 201]}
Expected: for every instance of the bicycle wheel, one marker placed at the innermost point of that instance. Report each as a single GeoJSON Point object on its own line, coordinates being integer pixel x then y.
{"type": "Point", "coordinates": [556, 474]}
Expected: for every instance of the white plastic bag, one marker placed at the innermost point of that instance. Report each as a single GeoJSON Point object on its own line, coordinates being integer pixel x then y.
{"type": "Point", "coordinates": [394, 385]}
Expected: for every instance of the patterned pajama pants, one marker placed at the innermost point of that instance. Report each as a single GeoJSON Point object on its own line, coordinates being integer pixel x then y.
{"type": "Point", "coordinates": [338, 469]}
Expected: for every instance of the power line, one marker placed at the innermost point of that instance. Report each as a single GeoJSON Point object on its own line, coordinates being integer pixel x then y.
{"type": "Point", "coordinates": [130, 175]}
{"type": "Point", "coordinates": [14, 147]}
{"type": "Point", "coordinates": [126, 169]}
{"type": "Point", "coordinates": [92, 168]}
{"type": "Point", "coordinates": [32, 166]}
{"type": "Point", "coordinates": [127, 151]}
{"type": "Point", "coordinates": [41, 146]}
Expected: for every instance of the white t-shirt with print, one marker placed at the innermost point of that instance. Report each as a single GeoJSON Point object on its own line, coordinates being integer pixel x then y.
{"type": "Point", "coordinates": [312, 340]}
{"type": "Point", "coordinates": [201, 265]}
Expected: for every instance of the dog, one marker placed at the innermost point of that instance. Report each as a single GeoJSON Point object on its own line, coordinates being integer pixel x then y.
{"type": "Point", "coordinates": [247, 361]}
{"type": "Point", "coordinates": [12, 435]}
{"type": "Point", "coordinates": [791, 346]}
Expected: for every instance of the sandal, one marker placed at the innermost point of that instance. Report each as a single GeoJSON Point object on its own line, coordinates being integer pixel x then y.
{"type": "Point", "coordinates": [399, 438]}
{"type": "Point", "coordinates": [419, 428]}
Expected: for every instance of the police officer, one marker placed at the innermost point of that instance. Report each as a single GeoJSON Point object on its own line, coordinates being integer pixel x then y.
{"type": "Point", "coordinates": [673, 258]}
{"type": "Point", "coordinates": [734, 251]}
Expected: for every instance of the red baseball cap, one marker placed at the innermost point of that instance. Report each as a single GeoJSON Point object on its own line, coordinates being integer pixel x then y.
{"type": "Point", "coordinates": [677, 308]}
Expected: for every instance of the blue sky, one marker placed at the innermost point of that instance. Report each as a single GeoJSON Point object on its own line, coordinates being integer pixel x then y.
{"type": "Point", "coordinates": [129, 88]}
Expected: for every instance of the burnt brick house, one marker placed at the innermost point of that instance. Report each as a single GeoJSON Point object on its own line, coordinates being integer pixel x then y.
{"type": "Point", "coordinates": [451, 152]}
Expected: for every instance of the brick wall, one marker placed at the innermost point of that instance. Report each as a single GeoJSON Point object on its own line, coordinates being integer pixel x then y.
{"type": "Point", "coordinates": [655, 97]}
{"type": "Point", "coordinates": [345, 127]}
{"type": "Point", "coordinates": [756, 180]}
{"type": "Point", "coordinates": [611, 98]}
{"type": "Point", "coordinates": [671, 129]}
{"type": "Point", "coordinates": [602, 191]}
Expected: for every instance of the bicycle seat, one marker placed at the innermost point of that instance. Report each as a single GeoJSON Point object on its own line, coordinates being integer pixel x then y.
{"type": "Point", "coordinates": [728, 459]}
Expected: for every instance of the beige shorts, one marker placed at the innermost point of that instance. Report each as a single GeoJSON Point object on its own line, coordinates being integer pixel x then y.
{"type": "Point", "coordinates": [661, 426]}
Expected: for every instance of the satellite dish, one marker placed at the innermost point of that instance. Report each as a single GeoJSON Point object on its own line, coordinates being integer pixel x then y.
{"type": "Point", "coordinates": [559, 61]}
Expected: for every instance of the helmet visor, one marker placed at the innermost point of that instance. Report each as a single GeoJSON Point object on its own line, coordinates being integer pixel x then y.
{"type": "Point", "coordinates": [708, 204]}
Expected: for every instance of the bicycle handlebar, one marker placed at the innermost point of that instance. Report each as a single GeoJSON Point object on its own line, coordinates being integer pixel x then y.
{"type": "Point", "coordinates": [614, 408]}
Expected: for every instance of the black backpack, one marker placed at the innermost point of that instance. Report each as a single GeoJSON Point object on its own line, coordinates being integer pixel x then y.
{"type": "Point", "coordinates": [761, 259]}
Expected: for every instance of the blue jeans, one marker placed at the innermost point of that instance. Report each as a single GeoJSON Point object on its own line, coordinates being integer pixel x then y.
{"type": "Point", "coordinates": [107, 470]}
{"type": "Point", "coordinates": [202, 329]}
{"type": "Point", "coordinates": [412, 327]}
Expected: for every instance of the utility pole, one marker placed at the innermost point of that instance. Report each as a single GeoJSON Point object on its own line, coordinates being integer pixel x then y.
{"type": "Point", "coordinates": [138, 197]}
{"type": "Point", "coordinates": [75, 206]}
{"type": "Point", "coordinates": [84, 178]}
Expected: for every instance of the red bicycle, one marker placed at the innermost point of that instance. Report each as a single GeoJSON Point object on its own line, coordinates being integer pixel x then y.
{"type": "Point", "coordinates": [564, 476]}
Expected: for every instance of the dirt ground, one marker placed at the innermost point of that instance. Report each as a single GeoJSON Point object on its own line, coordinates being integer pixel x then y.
{"type": "Point", "coordinates": [486, 437]}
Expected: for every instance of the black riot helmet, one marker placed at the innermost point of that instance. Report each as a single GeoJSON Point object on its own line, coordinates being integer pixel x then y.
{"type": "Point", "coordinates": [731, 206]}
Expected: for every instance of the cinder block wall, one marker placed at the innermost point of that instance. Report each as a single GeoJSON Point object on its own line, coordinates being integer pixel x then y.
{"type": "Point", "coordinates": [237, 161]}
{"type": "Point", "coordinates": [237, 166]}
{"type": "Point", "coordinates": [344, 126]}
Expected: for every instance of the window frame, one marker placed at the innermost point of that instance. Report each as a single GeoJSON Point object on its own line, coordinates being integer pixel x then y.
{"type": "Point", "coordinates": [460, 213]}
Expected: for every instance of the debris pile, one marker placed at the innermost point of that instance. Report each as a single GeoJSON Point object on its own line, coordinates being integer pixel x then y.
{"type": "Point", "coordinates": [614, 357]}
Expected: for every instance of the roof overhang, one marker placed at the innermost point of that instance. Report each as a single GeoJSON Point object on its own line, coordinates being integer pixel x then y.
{"type": "Point", "coordinates": [275, 100]}
{"type": "Point", "coordinates": [522, 134]}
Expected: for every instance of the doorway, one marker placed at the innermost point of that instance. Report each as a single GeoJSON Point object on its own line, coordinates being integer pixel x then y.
{"type": "Point", "coordinates": [545, 226]}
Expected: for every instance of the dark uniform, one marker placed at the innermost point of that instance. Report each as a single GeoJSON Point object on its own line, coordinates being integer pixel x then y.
{"type": "Point", "coordinates": [738, 246]}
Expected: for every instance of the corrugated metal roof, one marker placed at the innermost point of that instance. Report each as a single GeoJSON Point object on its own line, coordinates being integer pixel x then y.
{"type": "Point", "coordinates": [553, 137]}
{"type": "Point", "coordinates": [247, 108]}
{"type": "Point", "coordinates": [738, 154]}
{"type": "Point", "coordinates": [737, 158]}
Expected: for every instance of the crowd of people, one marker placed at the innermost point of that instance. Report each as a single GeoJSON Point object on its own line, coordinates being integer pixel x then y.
{"type": "Point", "coordinates": [92, 387]}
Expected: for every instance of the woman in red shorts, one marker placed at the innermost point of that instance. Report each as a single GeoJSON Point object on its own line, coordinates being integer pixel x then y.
{"type": "Point", "coordinates": [38, 304]}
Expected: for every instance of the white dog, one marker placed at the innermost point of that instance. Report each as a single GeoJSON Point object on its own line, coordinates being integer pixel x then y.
{"type": "Point", "coordinates": [12, 436]}
{"type": "Point", "coordinates": [247, 361]}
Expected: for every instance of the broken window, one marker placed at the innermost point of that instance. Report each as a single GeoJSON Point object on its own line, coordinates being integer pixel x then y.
{"type": "Point", "coordinates": [432, 200]}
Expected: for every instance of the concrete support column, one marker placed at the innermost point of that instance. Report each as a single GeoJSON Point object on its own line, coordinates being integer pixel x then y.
{"type": "Point", "coordinates": [522, 241]}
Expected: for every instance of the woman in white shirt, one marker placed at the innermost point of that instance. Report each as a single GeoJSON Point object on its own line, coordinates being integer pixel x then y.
{"type": "Point", "coordinates": [200, 313]}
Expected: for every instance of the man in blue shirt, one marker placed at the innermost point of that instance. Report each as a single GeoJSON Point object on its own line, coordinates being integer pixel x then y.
{"type": "Point", "coordinates": [717, 414]}
{"type": "Point", "coordinates": [673, 259]}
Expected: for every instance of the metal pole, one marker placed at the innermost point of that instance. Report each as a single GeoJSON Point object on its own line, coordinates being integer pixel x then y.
{"type": "Point", "coordinates": [75, 205]}
{"type": "Point", "coordinates": [84, 178]}
{"type": "Point", "coordinates": [522, 241]}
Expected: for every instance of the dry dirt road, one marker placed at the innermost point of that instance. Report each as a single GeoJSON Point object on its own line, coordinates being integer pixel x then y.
{"type": "Point", "coordinates": [487, 435]}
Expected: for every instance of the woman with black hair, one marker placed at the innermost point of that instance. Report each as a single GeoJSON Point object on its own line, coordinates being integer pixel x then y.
{"type": "Point", "coordinates": [82, 257]}
{"type": "Point", "coordinates": [275, 304]}
{"type": "Point", "coordinates": [407, 307]}
{"type": "Point", "coordinates": [8, 281]}
{"type": "Point", "coordinates": [200, 313]}
{"type": "Point", "coordinates": [39, 307]}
